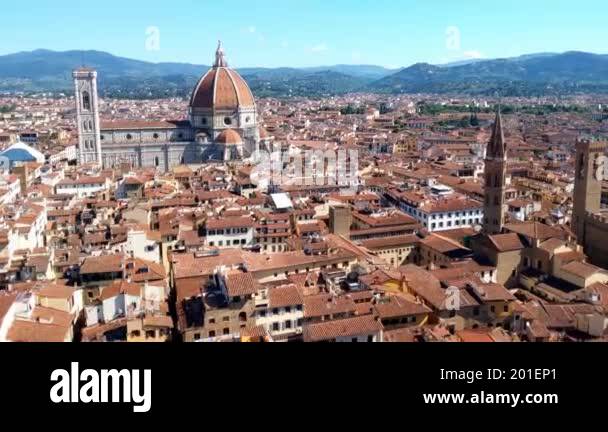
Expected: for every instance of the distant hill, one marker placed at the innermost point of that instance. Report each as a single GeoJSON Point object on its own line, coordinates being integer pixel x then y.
{"type": "Point", "coordinates": [536, 74]}
{"type": "Point", "coordinates": [359, 71]}
{"type": "Point", "coordinates": [45, 70]}
{"type": "Point", "coordinates": [527, 75]}
{"type": "Point", "coordinates": [41, 64]}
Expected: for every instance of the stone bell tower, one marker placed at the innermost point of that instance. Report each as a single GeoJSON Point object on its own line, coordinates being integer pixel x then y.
{"type": "Point", "coordinates": [496, 180]}
{"type": "Point", "coordinates": [87, 115]}
{"type": "Point", "coordinates": [588, 184]}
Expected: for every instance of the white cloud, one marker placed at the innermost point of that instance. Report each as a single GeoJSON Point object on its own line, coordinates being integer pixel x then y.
{"type": "Point", "coordinates": [251, 29]}
{"type": "Point", "coordinates": [322, 47]}
{"type": "Point", "coordinates": [473, 54]}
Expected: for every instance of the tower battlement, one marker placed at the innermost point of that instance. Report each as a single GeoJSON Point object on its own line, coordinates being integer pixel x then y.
{"type": "Point", "coordinates": [591, 144]}
{"type": "Point", "coordinates": [84, 73]}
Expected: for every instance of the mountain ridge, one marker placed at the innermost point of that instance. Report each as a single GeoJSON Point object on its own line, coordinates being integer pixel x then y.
{"type": "Point", "coordinates": [542, 73]}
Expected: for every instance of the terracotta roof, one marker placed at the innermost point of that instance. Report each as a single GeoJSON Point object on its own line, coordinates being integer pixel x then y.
{"type": "Point", "coordinates": [52, 316]}
{"type": "Point", "coordinates": [401, 335]}
{"type": "Point", "coordinates": [507, 242]}
{"type": "Point", "coordinates": [120, 287]}
{"type": "Point", "coordinates": [535, 230]}
{"type": "Point", "coordinates": [442, 244]}
{"type": "Point", "coordinates": [6, 301]}
{"type": "Point", "coordinates": [348, 327]}
{"type": "Point", "coordinates": [222, 88]}
{"type": "Point", "coordinates": [31, 331]}
{"type": "Point", "coordinates": [188, 265]}
{"type": "Point", "coordinates": [428, 287]}
{"type": "Point", "coordinates": [102, 264]}
{"type": "Point", "coordinates": [564, 316]}
{"type": "Point", "coordinates": [476, 336]}
{"type": "Point", "coordinates": [139, 270]}
{"type": "Point", "coordinates": [98, 330]}
{"type": "Point", "coordinates": [380, 243]}
{"type": "Point", "coordinates": [398, 306]}
{"type": "Point", "coordinates": [158, 321]}
{"type": "Point", "coordinates": [552, 244]}
{"type": "Point", "coordinates": [283, 296]}
{"type": "Point", "coordinates": [241, 284]}
{"type": "Point", "coordinates": [56, 291]}
{"type": "Point", "coordinates": [229, 137]}
{"type": "Point", "coordinates": [390, 220]}
{"type": "Point", "coordinates": [581, 269]}
{"type": "Point", "coordinates": [326, 304]}
{"type": "Point", "coordinates": [229, 222]}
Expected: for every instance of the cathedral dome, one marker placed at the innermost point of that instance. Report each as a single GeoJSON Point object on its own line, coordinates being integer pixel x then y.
{"type": "Point", "coordinates": [222, 88]}
{"type": "Point", "coordinates": [229, 137]}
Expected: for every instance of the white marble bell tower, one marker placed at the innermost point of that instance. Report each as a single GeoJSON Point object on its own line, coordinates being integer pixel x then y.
{"type": "Point", "coordinates": [87, 115]}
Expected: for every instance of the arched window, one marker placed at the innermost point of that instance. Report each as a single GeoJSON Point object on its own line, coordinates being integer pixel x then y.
{"type": "Point", "coordinates": [90, 125]}
{"type": "Point", "coordinates": [156, 162]}
{"type": "Point", "coordinates": [86, 101]}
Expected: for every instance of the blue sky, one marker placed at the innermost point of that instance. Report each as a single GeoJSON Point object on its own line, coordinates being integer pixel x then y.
{"type": "Point", "coordinates": [294, 33]}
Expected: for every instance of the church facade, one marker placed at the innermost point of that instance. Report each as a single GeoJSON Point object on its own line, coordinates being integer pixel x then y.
{"type": "Point", "coordinates": [222, 125]}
